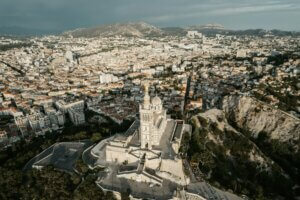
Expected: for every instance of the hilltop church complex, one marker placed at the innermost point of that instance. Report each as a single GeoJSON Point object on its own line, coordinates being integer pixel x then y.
{"type": "Point", "coordinates": [145, 161]}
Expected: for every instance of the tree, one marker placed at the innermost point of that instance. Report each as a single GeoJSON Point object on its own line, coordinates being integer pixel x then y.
{"type": "Point", "coordinates": [260, 194]}
{"type": "Point", "coordinates": [81, 167]}
{"type": "Point", "coordinates": [125, 196]}
{"type": "Point", "coordinates": [96, 137]}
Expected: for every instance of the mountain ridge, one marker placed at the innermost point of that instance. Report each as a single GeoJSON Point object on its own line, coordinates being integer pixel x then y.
{"type": "Point", "coordinates": [141, 29]}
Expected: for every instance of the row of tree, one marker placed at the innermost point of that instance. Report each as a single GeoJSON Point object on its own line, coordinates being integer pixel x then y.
{"type": "Point", "coordinates": [7, 47]}
{"type": "Point", "coordinates": [48, 183]}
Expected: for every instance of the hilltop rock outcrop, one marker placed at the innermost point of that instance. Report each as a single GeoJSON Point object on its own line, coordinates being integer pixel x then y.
{"type": "Point", "coordinates": [248, 147]}
{"type": "Point", "coordinates": [256, 117]}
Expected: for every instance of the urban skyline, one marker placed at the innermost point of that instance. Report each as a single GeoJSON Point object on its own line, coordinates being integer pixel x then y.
{"type": "Point", "coordinates": [149, 100]}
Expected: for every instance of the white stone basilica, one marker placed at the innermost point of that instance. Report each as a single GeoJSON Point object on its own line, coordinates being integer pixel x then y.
{"type": "Point", "coordinates": [148, 151]}
{"type": "Point", "coordinates": [145, 160]}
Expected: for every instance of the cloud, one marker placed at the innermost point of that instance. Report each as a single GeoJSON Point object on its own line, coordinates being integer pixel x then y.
{"type": "Point", "coordinates": [249, 9]}
{"type": "Point", "coordinates": [68, 14]}
{"type": "Point", "coordinates": [198, 11]}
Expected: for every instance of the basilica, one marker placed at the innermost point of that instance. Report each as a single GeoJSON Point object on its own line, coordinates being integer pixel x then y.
{"type": "Point", "coordinates": [144, 161]}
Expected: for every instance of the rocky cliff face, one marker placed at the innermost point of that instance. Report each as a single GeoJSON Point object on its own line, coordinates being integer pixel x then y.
{"type": "Point", "coordinates": [257, 117]}
{"type": "Point", "coordinates": [248, 147]}
{"type": "Point", "coordinates": [220, 132]}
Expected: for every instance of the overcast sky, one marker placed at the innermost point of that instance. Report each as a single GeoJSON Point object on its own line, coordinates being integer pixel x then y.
{"type": "Point", "coordinates": [69, 14]}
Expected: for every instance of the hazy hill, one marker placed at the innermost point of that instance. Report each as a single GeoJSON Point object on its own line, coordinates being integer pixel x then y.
{"type": "Point", "coordinates": [174, 31]}
{"type": "Point", "coordinates": [207, 26]}
{"type": "Point", "coordinates": [21, 31]}
{"type": "Point", "coordinates": [212, 29]}
{"type": "Point", "coordinates": [140, 29]}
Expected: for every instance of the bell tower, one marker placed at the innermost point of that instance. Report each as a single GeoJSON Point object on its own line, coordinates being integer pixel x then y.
{"type": "Point", "coordinates": [146, 120]}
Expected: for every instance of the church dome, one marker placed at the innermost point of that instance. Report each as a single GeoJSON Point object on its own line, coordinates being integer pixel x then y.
{"type": "Point", "coordinates": [156, 101]}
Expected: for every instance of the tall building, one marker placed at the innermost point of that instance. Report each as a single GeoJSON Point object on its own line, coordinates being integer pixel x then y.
{"type": "Point", "coordinates": [108, 78]}
{"type": "Point", "coordinates": [194, 34]}
{"type": "Point", "coordinates": [69, 56]}
{"type": "Point", "coordinates": [77, 117]}
{"type": "Point", "coordinates": [75, 111]}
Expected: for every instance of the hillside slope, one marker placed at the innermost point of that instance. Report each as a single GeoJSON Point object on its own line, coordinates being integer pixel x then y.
{"type": "Point", "coordinates": [140, 29]}
{"type": "Point", "coordinates": [248, 148]}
